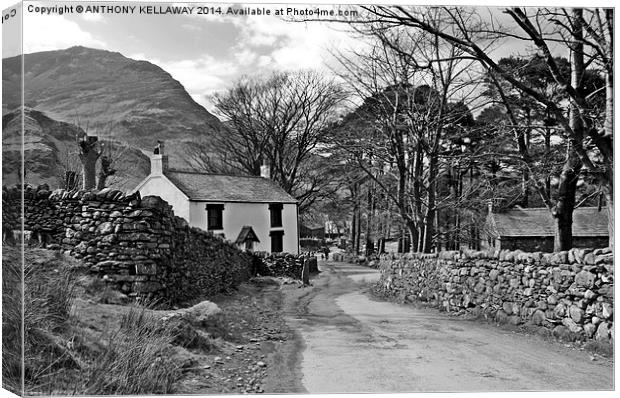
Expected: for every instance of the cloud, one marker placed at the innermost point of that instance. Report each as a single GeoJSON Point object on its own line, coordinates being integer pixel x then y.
{"type": "Point", "coordinates": [92, 17]}
{"type": "Point", "coordinates": [295, 45]}
{"type": "Point", "coordinates": [52, 32]}
{"type": "Point", "coordinates": [200, 77]}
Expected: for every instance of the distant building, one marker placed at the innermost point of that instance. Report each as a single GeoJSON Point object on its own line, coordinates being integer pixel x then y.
{"type": "Point", "coordinates": [253, 212]}
{"type": "Point", "coordinates": [314, 231]}
{"type": "Point", "coordinates": [533, 229]}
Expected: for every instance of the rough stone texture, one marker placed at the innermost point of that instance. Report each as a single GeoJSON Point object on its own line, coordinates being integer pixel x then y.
{"type": "Point", "coordinates": [280, 264]}
{"type": "Point", "coordinates": [136, 244]}
{"type": "Point", "coordinates": [570, 294]}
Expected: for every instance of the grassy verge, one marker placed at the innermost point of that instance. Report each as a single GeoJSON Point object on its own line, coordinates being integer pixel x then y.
{"type": "Point", "coordinates": [64, 355]}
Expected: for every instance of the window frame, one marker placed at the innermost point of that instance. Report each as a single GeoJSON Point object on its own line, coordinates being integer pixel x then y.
{"type": "Point", "coordinates": [219, 209]}
{"type": "Point", "coordinates": [275, 215]}
{"type": "Point", "coordinates": [277, 236]}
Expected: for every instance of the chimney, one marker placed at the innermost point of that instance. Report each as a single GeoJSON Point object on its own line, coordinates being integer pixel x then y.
{"type": "Point", "coordinates": [265, 172]}
{"type": "Point", "coordinates": [159, 161]}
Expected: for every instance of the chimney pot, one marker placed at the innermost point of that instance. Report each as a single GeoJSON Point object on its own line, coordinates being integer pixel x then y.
{"type": "Point", "coordinates": [159, 161]}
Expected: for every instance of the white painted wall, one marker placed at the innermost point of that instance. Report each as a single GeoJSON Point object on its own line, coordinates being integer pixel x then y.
{"type": "Point", "coordinates": [256, 215]}
{"type": "Point", "coordinates": [235, 216]}
{"type": "Point", "coordinates": [165, 189]}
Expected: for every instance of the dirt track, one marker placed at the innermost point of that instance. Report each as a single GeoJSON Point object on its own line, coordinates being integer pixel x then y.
{"type": "Point", "coordinates": [348, 341]}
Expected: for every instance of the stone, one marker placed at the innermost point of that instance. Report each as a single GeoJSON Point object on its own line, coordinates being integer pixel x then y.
{"type": "Point", "coordinates": [572, 325]}
{"type": "Point", "coordinates": [602, 333]}
{"type": "Point", "coordinates": [607, 291]}
{"type": "Point", "coordinates": [507, 307]}
{"type": "Point", "coordinates": [501, 317]}
{"type": "Point", "coordinates": [589, 329]}
{"type": "Point", "coordinates": [514, 320]}
{"type": "Point", "coordinates": [585, 279]}
{"type": "Point", "coordinates": [576, 313]}
{"type": "Point", "coordinates": [589, 295]}
{"type": "Point", "coordinates": [493, 274]}
{"type": "Point", "coordinates": [607, 311]}
{"type": "Point", "coordinates": [105, 228]}
{"type": "Point", "coordinates": [559, 310]}
{"type": "Point", "coordinates": [538, 317]}
{"type": "Point", "coordinates": [552, 299]}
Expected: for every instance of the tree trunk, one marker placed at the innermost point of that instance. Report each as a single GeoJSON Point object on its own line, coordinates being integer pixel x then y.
{"type": "Point", "coordinates": [89, 154]}
{"type": "Point", "coordinates": [563, 210]}
{"type": "Point", "coordinates": [105, 171]}
{"type": "Point", "coordinates": [429, 219]}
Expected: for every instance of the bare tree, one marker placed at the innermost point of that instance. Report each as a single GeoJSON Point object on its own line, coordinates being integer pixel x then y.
{"type": "Point", "coordinates": [410, 83]}
{"type": "Point", "coordinates": [590, 37]}
{"type": "Point", "coordinates": [279, 121]}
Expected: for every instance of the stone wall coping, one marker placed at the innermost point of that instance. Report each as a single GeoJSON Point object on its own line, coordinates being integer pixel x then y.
{"type": "Point", "coordinates": [573, 256]}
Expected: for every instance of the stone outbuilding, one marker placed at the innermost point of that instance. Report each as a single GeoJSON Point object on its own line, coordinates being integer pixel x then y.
{"type": "Point", "coordinates": [253, 212]}
{"type": "Point", "coordinates": [533, 229]}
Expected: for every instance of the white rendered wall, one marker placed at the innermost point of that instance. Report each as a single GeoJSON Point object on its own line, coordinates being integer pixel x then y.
{"type": "Point", "coordinates": [256, 215]}
{"type": "Point", "coordinates": [162, 187]}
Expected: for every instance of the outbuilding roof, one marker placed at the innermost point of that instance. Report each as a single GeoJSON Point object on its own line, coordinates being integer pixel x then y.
{"type": "Point", "coordinates": [228, 188]}
{"type": "Point", "coordinates": [533, 222]}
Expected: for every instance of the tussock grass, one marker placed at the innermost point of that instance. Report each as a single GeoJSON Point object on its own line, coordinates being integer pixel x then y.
{"type": "Point", "coordinates": [136, 359]}
{"type": "Point", "coordinates": [11, 321]}
{"type": "Point", "coordinates": [63, 356]}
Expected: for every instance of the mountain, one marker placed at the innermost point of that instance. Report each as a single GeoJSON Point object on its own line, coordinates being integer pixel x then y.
{"type": "Point", "coordinates": [109, 95]}
{"type": "Point", "coordinates": [50, 150]}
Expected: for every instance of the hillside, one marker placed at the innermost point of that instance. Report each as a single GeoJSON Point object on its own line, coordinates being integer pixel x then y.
{"type": "Point", "coordinates": [105, 93]}
{"type": "Point", "coordinates": [50, 149]}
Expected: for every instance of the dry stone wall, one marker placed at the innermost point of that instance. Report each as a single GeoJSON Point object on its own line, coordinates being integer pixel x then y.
{"type": "Point", "coordinates": [136, 244]}
{"type": "Point", "coordinates": [281, 264]}
{"type": "Point", "coordinates": [567, 294]}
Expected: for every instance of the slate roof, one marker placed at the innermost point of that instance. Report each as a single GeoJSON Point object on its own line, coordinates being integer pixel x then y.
{"type": "Point", "coordinates": [532, 222]}
{"type": "Point", "coordinates": [247, 233]}
{"type": "Point", "coordinates": [227, 188]}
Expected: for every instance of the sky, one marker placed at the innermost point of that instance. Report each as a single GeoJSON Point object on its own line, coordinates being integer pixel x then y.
{"type": "Point", "coordinates": [206, 53]}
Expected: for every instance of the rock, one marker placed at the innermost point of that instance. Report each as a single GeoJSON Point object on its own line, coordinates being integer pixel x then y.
{"type": "Point", "coordinates": [501, 317]}
{"type": "Point", "coordinates": [563, 333]}
{"type": "Point", "coordinates": [105, 228]}
{"type": "Point", "coordinates": [585, 279]}
{"type": "Point", "coordinates": [571, 325]}
{"type": "Point", "coordinates": [559, 310]}
{"type": "Point", "coordinates": [261, 364]}
{"type": "Point", "coordinates": [538, 317]}
{"type": "Point", "coordinates": [589, 329]}
{"type": "Point", "coordinates": [514, 320]}
{"type": "Point", "coordinates": [607, 291]}
{"type": "Point", "coordinates": [576, 313]}
{"type": "Point", "coordinates": [200, 314]}
{"type": "Point", "coordinates": [507, 307]}
{"type": "Point", "coordinates": [589, 295]}
{"type": "Point", "coordinates": [607, 311]}
{"type": "Point", "coordinates": [602, 333]}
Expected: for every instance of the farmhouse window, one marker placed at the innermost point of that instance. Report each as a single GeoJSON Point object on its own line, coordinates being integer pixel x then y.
{"type": "Point", "coordinates": [275, 211]}
{"type": "Point", "coordinates": [214, 217]}
{"type": "Point", "coordinates": [276, 241]}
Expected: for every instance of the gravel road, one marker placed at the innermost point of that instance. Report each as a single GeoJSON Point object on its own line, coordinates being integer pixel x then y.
{"type": "Point", "coordinates": [352, 342]}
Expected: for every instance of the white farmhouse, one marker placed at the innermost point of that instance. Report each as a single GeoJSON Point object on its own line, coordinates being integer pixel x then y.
{"type": "Point", "coordinates": [253, 212]}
